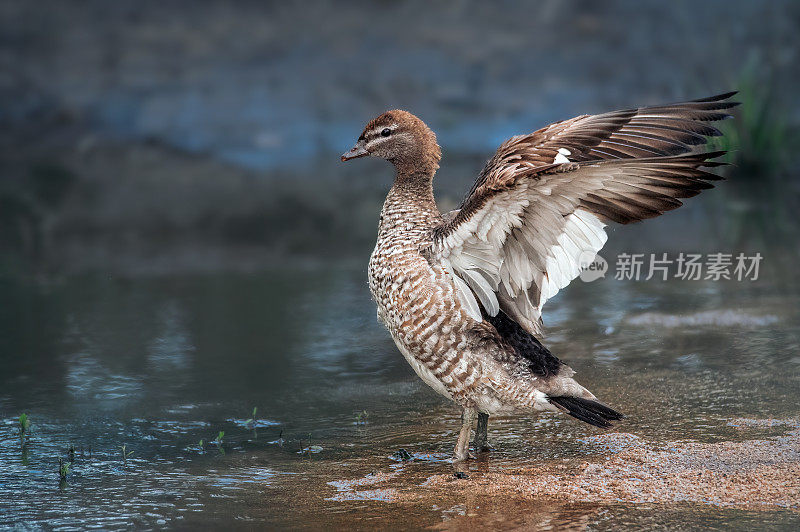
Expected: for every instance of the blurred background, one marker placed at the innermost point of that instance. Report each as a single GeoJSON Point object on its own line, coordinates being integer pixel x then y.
{"type": "Point", "coordinates": [153, 136]}
{"type": "Point", "coordinates": [179, 241]}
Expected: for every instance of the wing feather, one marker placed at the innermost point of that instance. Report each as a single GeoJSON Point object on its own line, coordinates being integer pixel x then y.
{"type": "Point", "coordinates": [483, 290]}
{"type": "Point", "coordinates": [531, 219]}
{"type": "Point", "coordinates": [467, 298]}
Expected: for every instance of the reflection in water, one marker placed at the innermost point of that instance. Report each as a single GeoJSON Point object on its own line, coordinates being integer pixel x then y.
{"type": "Point", "coordinates": [88, 380]}
{"type": "Point", "coordinates": [161, 364]}
{"type": "Point", "coordinates": [170, 350]}
{"type": "Point", "coordinates": [480, 513]}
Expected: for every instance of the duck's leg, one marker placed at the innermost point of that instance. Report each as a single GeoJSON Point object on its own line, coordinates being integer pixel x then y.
{"type": "Point", "coordinates": [481, 436]}
{"type": "Point", "coordinates": [462, 445]}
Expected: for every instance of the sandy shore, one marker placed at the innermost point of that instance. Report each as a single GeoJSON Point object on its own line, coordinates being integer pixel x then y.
{"type": "Point", "coordinates": [759, 472]}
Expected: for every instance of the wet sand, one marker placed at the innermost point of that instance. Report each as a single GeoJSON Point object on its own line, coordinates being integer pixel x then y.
{"type": "Point", "coordinates": [761, 472]}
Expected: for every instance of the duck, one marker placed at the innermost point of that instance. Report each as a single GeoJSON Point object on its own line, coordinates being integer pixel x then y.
{"type": "Point", "coordinates": [461, 293]}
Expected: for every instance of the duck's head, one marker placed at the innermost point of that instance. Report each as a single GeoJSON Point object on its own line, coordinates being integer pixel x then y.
{"type": "Point", "coordinates": [402, 139]}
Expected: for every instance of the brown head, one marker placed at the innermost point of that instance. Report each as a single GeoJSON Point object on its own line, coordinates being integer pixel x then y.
{"type": "Point", "coordinates": [402, 139]}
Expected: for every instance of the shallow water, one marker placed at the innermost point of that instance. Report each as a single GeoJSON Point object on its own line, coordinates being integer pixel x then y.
{"type": "Point", "coordinates": [158, 364]}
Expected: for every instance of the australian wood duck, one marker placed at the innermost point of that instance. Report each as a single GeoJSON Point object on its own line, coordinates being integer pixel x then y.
{"type": "Point", "coordinates": [462, 293]}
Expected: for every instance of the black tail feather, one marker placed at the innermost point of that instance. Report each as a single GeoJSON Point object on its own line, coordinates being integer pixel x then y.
{"type": "Point", "coordinates": [587, 410]}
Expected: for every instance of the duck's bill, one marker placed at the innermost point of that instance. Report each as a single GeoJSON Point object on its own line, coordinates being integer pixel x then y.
{"type": "Point", "coordinates": [355, 152]}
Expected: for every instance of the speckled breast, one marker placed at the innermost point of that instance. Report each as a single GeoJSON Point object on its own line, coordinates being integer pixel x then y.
{"type": "Point", "coordinates": [418, 304]}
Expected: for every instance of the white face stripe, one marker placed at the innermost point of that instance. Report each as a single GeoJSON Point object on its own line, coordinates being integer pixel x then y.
{"type": "Point", "coordinates": [377, 141]}
{"type": "Point", "coordinates": [374, 137]}
{"type": "Point", "coordinates": [376, 131]}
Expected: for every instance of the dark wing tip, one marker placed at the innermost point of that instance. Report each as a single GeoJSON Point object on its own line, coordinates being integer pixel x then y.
{"type": "Point", "coordinates": [713, 154]}
{"type": "Point", "coordinates": [718, 97]}
{"type": "Point", "coordinates": [708, 163]}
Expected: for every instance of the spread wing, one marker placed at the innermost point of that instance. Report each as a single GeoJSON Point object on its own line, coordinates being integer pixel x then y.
{"type": "Point", "coordinates": [539, 208]}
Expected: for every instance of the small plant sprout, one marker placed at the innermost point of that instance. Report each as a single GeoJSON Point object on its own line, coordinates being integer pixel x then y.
{"type": "Point", "coordinates": [280, 441]}
{"type": "Point", "coordinates": [24, 427]}
{"type": "Point", "coordinates": [201, 445]}
{"type": "Point", "coordinates": [219, 440]}
{"type": "Point", "coordinates": [361, 417]}
{"type": "Point", "coordinates": [310, 449]}
{"type": "Point", "coordinates": [63, 470]}
{"type": "Point", "coordinates": [125, 453]}
{"type": "Point", "coordinates": [252, 420]}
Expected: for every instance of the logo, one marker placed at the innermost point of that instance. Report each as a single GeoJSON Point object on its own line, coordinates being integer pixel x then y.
{"type": "Point", "coordinates": [593, 266]}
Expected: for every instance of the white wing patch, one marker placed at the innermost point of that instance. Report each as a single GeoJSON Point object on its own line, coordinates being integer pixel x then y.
{"type": "Point", "coordinates": [471, 253]}
{"type": "Point", "coordinates": [499, 270]}
{"type": "Point", "coordinates": [561, 156]}
{"type": "Point", "coordinates": [583, 232]}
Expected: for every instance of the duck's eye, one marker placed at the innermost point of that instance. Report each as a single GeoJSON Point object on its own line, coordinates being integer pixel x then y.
{"type": "Point", "coordinates": [386, 132]}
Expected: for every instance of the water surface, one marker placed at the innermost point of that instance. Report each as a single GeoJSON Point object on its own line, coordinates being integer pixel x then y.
{"type": "Point", "coordinates": [158, 364]}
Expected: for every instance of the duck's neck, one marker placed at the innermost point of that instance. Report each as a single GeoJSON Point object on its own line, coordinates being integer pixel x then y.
{"type": "Point", "coordinates": [415, 184]}
{"type": "Point", "coordinates": [419, 163]}
{"type": "Point", "coordinates": [410, 202]}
